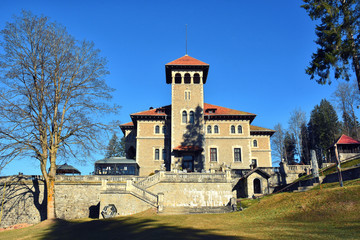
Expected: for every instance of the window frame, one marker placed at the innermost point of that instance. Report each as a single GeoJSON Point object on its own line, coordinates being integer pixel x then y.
{"type": "Point", "coordinates": [232, 129]}
{"type": "Point", "coordinates": [213, 153]}
{"type": "Point", "coordinates": [184, 117]}
{"type": "Point", "coordinates": [239, 127]}
{"type": "Point", "coordinates": [157, 129]}
{"type": "Point", "coordinates": [192, 117]}
{"type": "Point", "coordinates": [216, 129]}
{"type": "Point", "coordinates": [157, 154]}
{"type": "Point", "coordinates": [209, 129]}
{"type": "Point", "coordinates": [237, 154]}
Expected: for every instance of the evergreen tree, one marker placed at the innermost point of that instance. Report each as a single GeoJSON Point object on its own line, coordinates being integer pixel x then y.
{"type": "Point", "coordinates": [290, 148]}
{"type": "Point", "coordinates": [338, 39]}
{"type": "Point", "coordinates": [115, 148]}
{"type": "Point", "coordinates": [305, 145]}
{"type": "Point", "coordinates": [323, 128]}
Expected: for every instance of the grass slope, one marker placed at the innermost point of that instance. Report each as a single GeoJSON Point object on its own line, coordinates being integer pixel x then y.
{"type": "Point", "coordinates": [328, 213]}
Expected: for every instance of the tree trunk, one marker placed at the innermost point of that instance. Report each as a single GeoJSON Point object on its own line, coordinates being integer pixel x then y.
{"type": "Point", "coordinates": [50, 185]}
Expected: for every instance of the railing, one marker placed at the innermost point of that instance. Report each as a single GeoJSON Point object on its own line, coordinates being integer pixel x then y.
{"type": "Point", "coordinates": [93, 178]}
{"type": "Point", "coordinates": [299, 168]}
{"type": "Point", "coordinates": [116, 186]}
{"type": "Point", "coordinates": [149, 181]}
{"type": "Point", "coordinates": [194, 177]}
{"type": "Point", "coordinates": [146, 195]}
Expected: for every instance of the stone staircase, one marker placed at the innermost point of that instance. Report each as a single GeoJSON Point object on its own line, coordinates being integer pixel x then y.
{"type": "Point", "coordinates": [306, 188]}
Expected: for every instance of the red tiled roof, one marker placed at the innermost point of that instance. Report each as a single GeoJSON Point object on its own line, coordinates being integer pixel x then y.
{"type": "Point", "coordinates": [260, 129]}
{"type": "Point", "coordinates": [218, 111]}
{"type": "Point", "coordinates": [188, 148]}
{"type": "Point", "coordinates": [346, 140]}
{"type": "Point", "coordinates": [187, 61]}
{"type": "Point", "coordinates": [152, 112]}
{"type": "Point", "coordinates": [223, 111]}
{"type": "Point", "coordinates": [127, 124]}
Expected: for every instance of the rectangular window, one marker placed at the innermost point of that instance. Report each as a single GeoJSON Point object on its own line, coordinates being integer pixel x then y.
{"type": "Point", "coordinates": [213, 154]}
{"type": "Point", "coordinates": [237, 154]}
{"type": "Point", "coordinates": [157, 154]}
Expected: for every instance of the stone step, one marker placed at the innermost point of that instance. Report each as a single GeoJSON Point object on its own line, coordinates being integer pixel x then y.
{"type": "Point", "coordinates": [194, 210]}
{"type": "Point", "coordinates": [305, 188]}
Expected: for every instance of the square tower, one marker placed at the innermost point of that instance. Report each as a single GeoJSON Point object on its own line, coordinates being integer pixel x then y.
{"type": "Point", "coordinates": [187, 77]}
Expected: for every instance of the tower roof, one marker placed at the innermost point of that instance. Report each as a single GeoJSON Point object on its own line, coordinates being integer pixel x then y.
{"type": "Point", "coordinates": [187, 61]}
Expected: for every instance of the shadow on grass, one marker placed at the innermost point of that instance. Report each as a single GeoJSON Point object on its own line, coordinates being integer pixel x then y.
{"type": "Point", "coordinates": [127, 228]}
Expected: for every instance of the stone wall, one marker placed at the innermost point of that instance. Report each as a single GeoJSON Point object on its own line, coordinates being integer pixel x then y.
{"type": "Point", "coordinates": [23, 200]}
{"type": "Point", "coordinates": [75, 197]}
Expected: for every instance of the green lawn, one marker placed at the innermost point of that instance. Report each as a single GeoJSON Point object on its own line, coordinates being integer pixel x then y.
{"type": "Point", "coordinates": [328, 213]}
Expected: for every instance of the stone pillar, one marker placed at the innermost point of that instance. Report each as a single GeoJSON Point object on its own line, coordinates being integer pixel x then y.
{"type": "Point", "coordinates": [160, 202]}
{"type": "Point", "coordinates": [104, 184]}
{"type": "Point", "coordinates": [228, 175]}
{"type": "Point", "coordinates": [129, 185]}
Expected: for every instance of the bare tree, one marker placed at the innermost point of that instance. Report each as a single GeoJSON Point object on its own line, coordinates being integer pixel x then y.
{"type": "Point", "coordinates": [346, 98]}
{"type": "Point", "coordinates": [277, 142]}
{"type": "Point", "coordinates": [297, 119]}
{"type": "Point", "coordinates": [52, 93]}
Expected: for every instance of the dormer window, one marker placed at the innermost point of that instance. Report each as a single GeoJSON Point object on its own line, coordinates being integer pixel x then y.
{"type": "Point", "coordinates": [211, 110]}
{"type": "Point", "coordinates": [160, 110]}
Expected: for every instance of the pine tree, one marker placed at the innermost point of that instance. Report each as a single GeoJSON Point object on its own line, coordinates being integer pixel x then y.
{"type": "Point", "coordinates": [338, 39]}
{"type": "Point", "coordinates": [290, 148]}
{"type": "Point", "coordinates": [305, 145]}
{"type": "Point", "coordinates": [323, 128]}
{"type": "Point", "coordinates": [115, 147]}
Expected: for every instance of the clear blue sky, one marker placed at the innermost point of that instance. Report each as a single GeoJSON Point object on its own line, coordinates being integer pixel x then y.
{"type": "Point", "coordinates": [257, 51]}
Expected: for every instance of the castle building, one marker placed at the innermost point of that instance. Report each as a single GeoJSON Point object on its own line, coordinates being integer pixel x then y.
{"type": "Point", "coordinates": [193, 136]}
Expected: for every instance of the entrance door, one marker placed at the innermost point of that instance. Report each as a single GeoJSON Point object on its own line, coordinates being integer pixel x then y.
{"type": "Point", "coordinates": [188, 163]}
{"type": "Point", "coordinates": [257, 186]}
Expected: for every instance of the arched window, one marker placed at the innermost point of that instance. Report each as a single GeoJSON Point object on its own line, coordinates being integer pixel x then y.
{"type": "Point", "coordinates": [164, 129]}
{"type": "Point", "coordinates": [196, 78]}
{"type": "Point", "coordinates": [178, 78]}
{"type": "Point", "coordinates": [157, 129]}
{"type": "Point", "coordinates": [191, 119]}
{"type": "Point", "coordinates": [257, 186]}
{"type": "Point", "coordinates": [255, 143]}
{"type": "Point", "coordinates": [216, 129]}
{"type": "Point", "coordinates": [239, 129]}
{"type": "Point", "coordinates": [184, 117]}
{"type": "Point", "coordinates": [232, 129]}
{"type": "Point", "coordinates": [208, 129]}
{"type": "Point", "coordinates": [187, 78]}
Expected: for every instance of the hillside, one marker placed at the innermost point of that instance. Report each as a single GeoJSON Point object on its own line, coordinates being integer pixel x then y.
{"type": "Point", "coordinates": [330, 212]}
